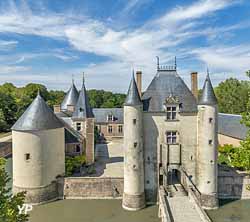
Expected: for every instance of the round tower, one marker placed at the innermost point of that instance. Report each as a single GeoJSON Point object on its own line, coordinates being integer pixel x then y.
{"type": "Point", "coordinates": [207, 146]}
{"type": "Point", "coordinates": [133, 196]}
{"type": "Point", "coordinates": [38, 152]}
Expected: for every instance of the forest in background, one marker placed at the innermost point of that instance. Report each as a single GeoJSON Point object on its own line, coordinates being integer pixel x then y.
{"type": "Point", "coordinates": [232, 94]}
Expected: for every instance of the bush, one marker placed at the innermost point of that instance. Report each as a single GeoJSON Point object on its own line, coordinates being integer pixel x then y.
{"type": "Point", "coordinates": [72, 164]}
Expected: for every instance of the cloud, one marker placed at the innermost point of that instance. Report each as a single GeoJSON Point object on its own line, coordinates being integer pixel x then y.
{"type": "Point", "coordinates": [7, 45]}
{"type": "Point", "coordinates": [13, 69]}
{"type": "Point", "coordinates": [163, 36]}
{"type": "Point", "coordinates": [196, 10]}
{"type": "Point", "coordinates": [225, 58]}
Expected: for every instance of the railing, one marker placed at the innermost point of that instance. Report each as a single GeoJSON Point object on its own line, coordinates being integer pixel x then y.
{"type": "Point", "coordinates": [164, 208]}
{"type": "Point", "coordinates": [194, 195]}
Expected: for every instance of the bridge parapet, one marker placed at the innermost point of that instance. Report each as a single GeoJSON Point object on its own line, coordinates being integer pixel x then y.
{"type": "Point", "coordinates": [164, 208]}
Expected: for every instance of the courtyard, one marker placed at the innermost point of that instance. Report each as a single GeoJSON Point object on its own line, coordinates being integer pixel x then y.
{"type": "Point", "coordinates": [109, 159]}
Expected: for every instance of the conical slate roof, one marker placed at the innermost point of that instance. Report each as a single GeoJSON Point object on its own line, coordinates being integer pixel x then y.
{"type": "Point", "coordinates": [83, 108]}
{"type": "Point", "coordinates": [133, 96]}
{"type": "Point", "coordinates": [38, 116]}
{"type": "Point", "coordinates": [208, 97]}
{"type": "Point", "coordinates": [70, 98]}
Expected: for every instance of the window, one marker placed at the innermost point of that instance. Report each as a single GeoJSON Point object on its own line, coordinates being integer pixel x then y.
{"type": "Point", "coordinates": [171, 112]}
{"type": "Point", "coordinates": [171, 137]}
{"type": "Point", "coordinates": [110, 129]}
{"type": "Point", "coordinates": [27, 156]}
{"type": "Point", "coordinates": [210, 120]}
{"type": "Point", "coordinates": [78, 126]}
{"type": "Point", "coordinates": [210, 142]}
{"type": "Point", "coordinates": [110, 118]}
{"type": "Point", "coordinates": [78, 149]}
{"type": "Point", "coordinates": [135, 145]}
{"type": "Point", "coordinates": [134, 121]}
{"type": "Point", "coordinates": [120, 128]}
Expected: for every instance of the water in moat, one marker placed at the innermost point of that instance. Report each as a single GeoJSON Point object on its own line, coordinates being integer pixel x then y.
{"type": "Point", "coordinates": [231, 211]}
{"type": "Point", "coordinates": [111, 210]}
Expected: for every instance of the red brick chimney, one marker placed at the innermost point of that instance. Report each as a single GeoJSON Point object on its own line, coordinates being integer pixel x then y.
{"type": "Point", "coordinates": [194, 84]}
{"type": "Point", "coordinates": [139, 81]}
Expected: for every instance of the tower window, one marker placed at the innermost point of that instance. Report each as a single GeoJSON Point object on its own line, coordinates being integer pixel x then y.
{"type": "Point", "coordinates": [78, 126]}
{"type": "Point", "coordinates": [171, 112]}
{"type": "Point", "coordinates": [210, 120]}
{"type": "Point", "coordinates": [110, 129]}
{"type": "Point", "coordinates": [135, 145]}
{"type": "Point", "coordinates": [134, 121]}
{"type": "Point", "coordinates": [210, 142]}
{"type": "Point", "coordinates": [120, 129]}
{"type": "Point", "coordinates": [171, 137]}
{"type": "Point", "coordinates": [27, 156]}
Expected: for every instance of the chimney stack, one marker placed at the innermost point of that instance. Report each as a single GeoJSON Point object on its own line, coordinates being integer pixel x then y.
{"type": "Point", "coordinates": [138, 81]}
{"type": "Point", "coordinates": [194, 84]}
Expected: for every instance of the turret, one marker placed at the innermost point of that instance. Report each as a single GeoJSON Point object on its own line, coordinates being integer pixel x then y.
{"type": "Point", "coordinates": [207, 146]}
{"type": "Point", "coordinates": [133, 196]}
{"type": "Point", "coordinates": [83, 119]}
{"type": "Point", "coordinates": [38, 152]}
{"type": "Point", "coordinates": [70, 99]}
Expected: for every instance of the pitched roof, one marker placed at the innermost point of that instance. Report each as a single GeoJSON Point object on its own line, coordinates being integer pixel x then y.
{"type": "Point", "coordinates": [133, 96]}
{"type": "Point", "coordinates": [38, 116]}
{"type": "Point", "coordinates": [102, 113]}
{"type": "Point", "coordinates": [168, 83]}
{"type": "Point", "coordinates": [229, 125]}
{"type": "Point", "coordinates": [83, 108]}
{"type": "Point", "coordinates": [71, 97]}
{"type": "Point", "coordinates": [208, 97]}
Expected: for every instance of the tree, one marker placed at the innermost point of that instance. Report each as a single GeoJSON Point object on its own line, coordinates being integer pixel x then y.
{"type": "Point", "coordinates": [55, 98]}
{"type": "Point", "coordinates": [9, 211]}
{"type": "Point", "coordinates": [232, 95]}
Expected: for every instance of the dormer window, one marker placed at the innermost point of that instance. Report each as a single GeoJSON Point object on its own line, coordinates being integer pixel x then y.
{"type": "Point", "coordinates": [110, 118]}
{"type": "Point", "coordinates": [171, 112]}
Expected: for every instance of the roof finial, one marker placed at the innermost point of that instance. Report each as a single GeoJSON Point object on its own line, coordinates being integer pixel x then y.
{"type": "Point", "coordinates": [38, 92]}
{"type": "Point", "coordinates": [175, 63]}
{"type": "Point", "coordinates": [207, 72]}
{"type": "Point", "coordinates": [158, 62]}
{"type": "Point", "coordinates": [72, 78]}
{"type": "Point", "coordinates": [83, 78]}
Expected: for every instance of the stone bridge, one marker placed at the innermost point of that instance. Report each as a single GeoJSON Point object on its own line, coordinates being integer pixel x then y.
{"type": "Point", "coordinates": [180, 202]}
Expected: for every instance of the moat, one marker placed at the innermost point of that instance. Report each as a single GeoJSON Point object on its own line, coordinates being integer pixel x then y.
{"type": "Point", "coordinates": [111, 210]}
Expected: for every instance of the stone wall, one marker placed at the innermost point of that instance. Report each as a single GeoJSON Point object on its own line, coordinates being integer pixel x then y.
{"type": "Point", "coordinates": [233, 184]}
{"type": "Point", "coordinates": [92, 188]}
{"type": "Point", "coordinates": [39, 195]}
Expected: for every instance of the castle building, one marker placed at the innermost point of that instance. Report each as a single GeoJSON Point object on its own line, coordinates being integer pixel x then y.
{"type": "Point", "coordinates": [166, 131]}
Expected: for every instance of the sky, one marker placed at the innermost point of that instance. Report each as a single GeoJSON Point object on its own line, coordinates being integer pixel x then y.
{"type": "Point", "coordinates": [49, 41]}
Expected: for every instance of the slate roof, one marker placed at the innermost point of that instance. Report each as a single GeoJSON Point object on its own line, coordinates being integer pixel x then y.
{"type": "Point", "coordinates": [38, 116]}
{"type": "Point", "coordinates": [229, 125]}
{"type": "Point", "coordinates": [208, 97]}
{"type": "Point", "coordinates": [164, 84]}
{"type": "Point", "coordinates": [71, 97]}
{"type": "Point", "coordinates": [133, 96]}
{"type": "Point", "coordinates": [102, 113]}
{"type": "Point", "coordinates": [83, 108]}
